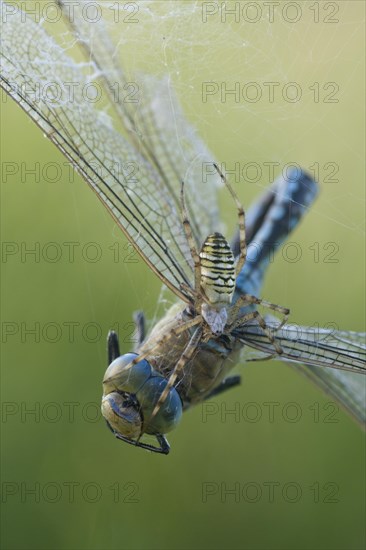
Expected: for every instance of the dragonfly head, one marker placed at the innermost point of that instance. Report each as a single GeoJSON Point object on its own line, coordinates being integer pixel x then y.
{"type": "Point", "coordinates": [130, 395]}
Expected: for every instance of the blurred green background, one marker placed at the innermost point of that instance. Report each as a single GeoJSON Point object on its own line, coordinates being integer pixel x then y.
{"type": "Point", "coordinates": [128, 498]}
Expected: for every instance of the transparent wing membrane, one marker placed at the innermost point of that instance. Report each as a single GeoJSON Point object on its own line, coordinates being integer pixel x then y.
{"type": "Point", "coordinates": [169, 142]}
{"type": "Point", "coordinates": [181, 154]}
{"type": "Point", "coordinates": [315, 346]}
{"type": "Point", "coordinates": [125, 180]}
{"type": "Point", "coordinates": [309, 350]}
{"type": "Point", "coordinates": [348, 388]}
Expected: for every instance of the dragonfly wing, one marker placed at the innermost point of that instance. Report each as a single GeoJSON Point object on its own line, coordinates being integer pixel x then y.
{"type": "Point", "coordinates": [269, 222]}
{"type": "Point", "coordinates": [169, 142]}
{"type": "Point", "coordinates": [348, 388]}
{"type": "Point", "coordinates": [332, 359]}
{"type": "Point", "coordinates": [182, 155]}
{"type": "Point", "coordinates": [36, 73]}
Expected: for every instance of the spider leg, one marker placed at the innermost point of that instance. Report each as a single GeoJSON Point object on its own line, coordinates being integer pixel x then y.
{"type": "Point", "coordinates": [243, 319]}
{"type": "Point", "coordinates": [241, 216]}
{"type": "Point", "coordinates": [184, 359]}
{"type": "Point", "coordinates": [256, 315]}
{"type": "Point", "coordinates": [245, 299]}
{"type": "Point", "coordinates": [191, 243]}
{"type": "Point", "coordinates": [189, 290]}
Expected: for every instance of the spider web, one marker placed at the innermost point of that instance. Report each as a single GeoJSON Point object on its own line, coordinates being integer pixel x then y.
{"type": "Point", "coordinates": [254, 140]}
{"type": "Point", "coordinates": [217, 57]}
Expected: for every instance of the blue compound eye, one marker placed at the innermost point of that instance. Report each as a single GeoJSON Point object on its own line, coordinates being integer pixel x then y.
{"type": "Point", "coordinates": [170, 411]}
{"type": "Point", "coordinates": [120, 377]}
{"type": "Point", "coordinates": [130, 394]}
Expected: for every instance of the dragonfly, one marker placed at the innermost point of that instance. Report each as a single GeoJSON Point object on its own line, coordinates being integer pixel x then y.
{"type": "Point", "coordinates": [160, 183]}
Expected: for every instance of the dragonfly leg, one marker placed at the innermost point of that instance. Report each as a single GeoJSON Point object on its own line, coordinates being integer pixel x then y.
{"type": "Point", "coordinates": [260, 359]}
{"type": "Point", "coordinates": [163, 442]}
{"type": "Point", "coordinates": [163, 448]}
{"type": "Point", "coordinates": [112, 346]}
{"type": "Point", "coordinates": [241, 215]}
{"type": "Point", "coordinates": [139, 319]}
{"type": "Point", "coordinates": [226, 384]}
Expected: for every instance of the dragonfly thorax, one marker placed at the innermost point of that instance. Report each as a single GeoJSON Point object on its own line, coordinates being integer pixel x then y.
{"type": "Point", "coordinates": [217, 280]}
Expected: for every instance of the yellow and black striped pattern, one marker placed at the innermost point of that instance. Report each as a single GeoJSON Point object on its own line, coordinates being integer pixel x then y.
{"type": "Point", "coordinates": [217, 270]}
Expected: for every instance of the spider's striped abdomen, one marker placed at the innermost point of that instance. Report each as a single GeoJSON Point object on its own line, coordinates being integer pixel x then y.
{"type": "Point", "coordinates": [217, 270]}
